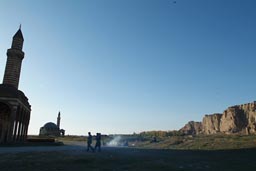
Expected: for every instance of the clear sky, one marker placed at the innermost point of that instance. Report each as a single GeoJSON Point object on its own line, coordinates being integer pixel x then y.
{"type": "Point", "coordinates": [124, 66]}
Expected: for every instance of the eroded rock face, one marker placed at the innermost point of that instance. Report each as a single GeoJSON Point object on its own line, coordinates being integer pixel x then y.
{"type": "Point", "coordinates": [251, 127]}
{"type": "Point", "coordinates": [250, 112]}
{"type": "Point", "coordinates": [211, 123]}
{"type": "Point", "coordinates": [192, 128]}
{"type": "Point", "coordinates": [233, 120]}
{"type": "Point", "coordinates": [236, 119]}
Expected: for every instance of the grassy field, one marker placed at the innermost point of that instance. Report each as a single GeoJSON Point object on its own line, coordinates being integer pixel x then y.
{"type": "Point", "coordinates": [124, 159]}
{"type": "Point", "coordinates": [202, 142]}
{"type": "Point", "coordinates": [198, 142]}
{"type": "Point", "coordinates": [177, 153]}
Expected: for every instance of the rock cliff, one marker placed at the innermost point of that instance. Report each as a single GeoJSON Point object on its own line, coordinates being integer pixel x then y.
{"type": "Point", "coordinates": [211, 123]}
{"type": "Point", "coordinates": [191, 128]}
{"type": "Point", "coordinates": [235, 119]}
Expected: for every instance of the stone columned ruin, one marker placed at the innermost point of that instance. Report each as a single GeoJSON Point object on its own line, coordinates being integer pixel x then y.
{"type": "Point", "coordinates": [14, 106]}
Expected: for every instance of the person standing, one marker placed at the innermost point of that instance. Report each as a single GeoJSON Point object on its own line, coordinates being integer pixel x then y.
{"type": "Point", "coordinates": [98, 142]}
{"type": "Point", "coordinates": [89, 142]}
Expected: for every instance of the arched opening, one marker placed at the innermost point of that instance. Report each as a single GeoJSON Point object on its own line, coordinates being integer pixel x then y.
{"type": "Point", "coordinates": [5, 113]}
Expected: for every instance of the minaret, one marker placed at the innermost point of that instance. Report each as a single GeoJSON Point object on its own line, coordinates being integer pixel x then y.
{"type": "Point", "coordinates": [58, 121]}
{"type": "Point", "coordinates": [14, 60]}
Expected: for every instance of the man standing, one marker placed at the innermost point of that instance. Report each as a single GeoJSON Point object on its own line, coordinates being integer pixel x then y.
{"type": "Point", "coordinates": [98, 142]}
{"type": "Point", "coordinates": [89, 142]}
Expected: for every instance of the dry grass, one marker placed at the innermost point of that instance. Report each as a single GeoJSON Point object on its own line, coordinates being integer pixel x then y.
{"type": "Point", "coordinates": [177, 153]}
{"type": "Point", "coordinates": [203, 142]}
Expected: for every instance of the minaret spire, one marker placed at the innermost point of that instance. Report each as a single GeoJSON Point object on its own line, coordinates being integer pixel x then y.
{"type": "Point", "coordinates": [15, 56]}
{"type": "Point", "coordinates": [58, 120]}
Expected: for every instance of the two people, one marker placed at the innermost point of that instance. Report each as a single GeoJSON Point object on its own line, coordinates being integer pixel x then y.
{"type": "Point", "coordinates": [98, 142]}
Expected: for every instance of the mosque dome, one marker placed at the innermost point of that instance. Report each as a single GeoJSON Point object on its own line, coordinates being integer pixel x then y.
{"type": "Point", "coordinates": [50, 125]}
{"type": "Point", "coordinates": [50, 129]}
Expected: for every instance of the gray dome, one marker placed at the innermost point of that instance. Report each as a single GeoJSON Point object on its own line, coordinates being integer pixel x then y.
{"type": "Point", "coordinates": [50, 125]}
{"type": "Point", "coordinates": [50, 129]}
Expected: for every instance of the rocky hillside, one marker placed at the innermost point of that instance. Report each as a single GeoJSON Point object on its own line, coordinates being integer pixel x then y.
{"type": "Point", "coordinates": [235, 119]}
{"type": "Point", "coordinates": [191, 128]}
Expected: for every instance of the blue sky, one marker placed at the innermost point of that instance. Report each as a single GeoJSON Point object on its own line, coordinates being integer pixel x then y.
{"type": "Point", "coordinates": [124, 66]}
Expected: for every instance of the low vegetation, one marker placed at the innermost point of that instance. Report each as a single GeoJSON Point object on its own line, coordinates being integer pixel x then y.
{"type": "Point", "coordinates": [173, 140]}
{"type": "Point", "coordinates": [202, 142]}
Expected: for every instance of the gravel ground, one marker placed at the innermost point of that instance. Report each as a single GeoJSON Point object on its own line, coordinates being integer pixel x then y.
{"type": "Point", "coordinates": [42, 148]}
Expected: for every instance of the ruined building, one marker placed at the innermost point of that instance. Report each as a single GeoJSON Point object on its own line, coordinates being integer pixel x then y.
{"type": "Point", "coordinates": [52, 129]}
{"type": "Point", "coordinates": [14, 106]}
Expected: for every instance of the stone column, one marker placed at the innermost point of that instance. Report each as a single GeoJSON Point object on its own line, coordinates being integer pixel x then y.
{"type": "Point", "coordinates": [27, 123]}
{"type": "Point", "coordinates": [2, 132]}
{"type": "Point", "coordinates": [24, 126]}
{"type": "Point", "coordinates": [11, 124]}
{"type": "Point", "coordinates": [16, 124]}
{"type": "Point", "coordinates": [20, 125]}
{"type": "Point", "coordinates": [3, 138]}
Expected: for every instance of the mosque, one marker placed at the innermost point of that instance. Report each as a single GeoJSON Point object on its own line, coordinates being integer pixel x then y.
{"type": "Point", "coordinates": [52, 129]}
{"type": "Point", "coordinates": [14, 106]}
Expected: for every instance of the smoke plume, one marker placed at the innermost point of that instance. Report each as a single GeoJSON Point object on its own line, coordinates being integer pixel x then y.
{"type": "Point", "coordinates": [116, 141]}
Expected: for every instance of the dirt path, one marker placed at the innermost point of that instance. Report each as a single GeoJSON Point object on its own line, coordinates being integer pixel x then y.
{"type": "Point", "coordinates": [71, 147]}
{"type": "Point", "coordinates": [68, 146]}
{"type": "Point", "coordinates": [41, 149]}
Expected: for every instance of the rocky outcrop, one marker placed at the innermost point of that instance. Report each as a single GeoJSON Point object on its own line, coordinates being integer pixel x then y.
{"type": "Point", "coordinates": [211, 123]}
{"type": "Point", "coordinates": [250, 112]}
{"type": "Point", "coordinates": [235, 119]}
{"type": "Point", "coordinates": [191, 128]}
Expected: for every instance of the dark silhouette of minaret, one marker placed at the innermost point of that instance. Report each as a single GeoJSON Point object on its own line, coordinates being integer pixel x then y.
{"type": "Point", "coordinates": [58, 121]}
{"type": "Point", "coordinates": [14, 60]}
{"type": "Point", "coordinates": [14, 106]}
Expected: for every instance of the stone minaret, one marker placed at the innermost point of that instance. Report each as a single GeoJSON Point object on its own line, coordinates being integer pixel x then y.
{"type": "Point", "coordinates": [14, 60]}
{"type": "Point", "coordinates": [58, 121]}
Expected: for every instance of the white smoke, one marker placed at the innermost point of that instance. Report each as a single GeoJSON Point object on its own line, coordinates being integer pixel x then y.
{"type": "Point", "coordinates": [116, 141]}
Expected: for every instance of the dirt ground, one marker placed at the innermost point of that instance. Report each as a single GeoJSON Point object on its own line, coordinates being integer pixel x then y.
{"type": "Point", "coordinates": [75, 157]}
